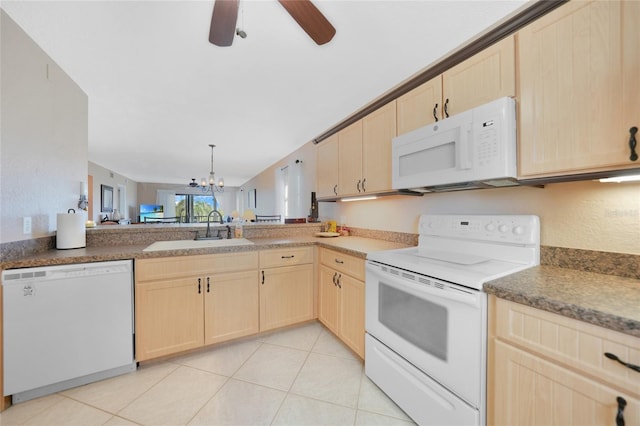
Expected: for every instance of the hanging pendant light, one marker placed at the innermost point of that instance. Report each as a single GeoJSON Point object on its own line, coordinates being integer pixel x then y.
{"type": "Point", "coordinates": [209, 184]}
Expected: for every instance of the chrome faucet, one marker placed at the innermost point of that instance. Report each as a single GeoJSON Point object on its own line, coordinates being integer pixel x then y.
{"type": "Point", "coordinates": [208, 234]}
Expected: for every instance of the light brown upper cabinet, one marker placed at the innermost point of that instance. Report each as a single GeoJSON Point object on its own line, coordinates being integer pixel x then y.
{"type": "Point", "coordinates": [350, 158]}
{"type": "Point", "coordinates": [579, 89]}
{"type": "Point", "coordinates": [327, 167]}
{"type": "Point", "coordinates": [486, 76]}
{"type": "Point", "coordinates": [378, 131]}
{"type": "Point", "coordinates": [420, 106]}
{"type": "Point", "coordinates": [357, 160]}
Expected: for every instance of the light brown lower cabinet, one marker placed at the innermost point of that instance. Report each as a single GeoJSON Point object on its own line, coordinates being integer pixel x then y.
{"type": "Point", "coordinates": [186, 302]}
{"type": "Point", "coordinates": [286, 287]}
{"type": "Point", "coordinates": [341, 297]}
{"type": "Point", "coordinates": [546, 369]}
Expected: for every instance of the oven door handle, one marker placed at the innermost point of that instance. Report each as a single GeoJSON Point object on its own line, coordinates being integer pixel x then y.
{"type": "Point", "coordinates": [460, 296]}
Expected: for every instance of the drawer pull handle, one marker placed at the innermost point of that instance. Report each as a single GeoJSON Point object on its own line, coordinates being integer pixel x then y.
{"type": "Point", "coordinates": [339, 276]}
{"type": "Point", "coordinates": [208, 279]}
{"type": "Point", "coordinates": [262, 277]}
{"type": "Point", "coordinates": [339, 261]}
{"type": "Point", "coordinates": [335, 189]}
{"type": "Point", "coordinates": [288, 257]}
{"type": "Point", "coordinates": [446, 108]}
{"type": "Point", "coordinates": [335, 276]}
{"type": "Point", "coordinates": [435, 112]}
{"type": "Point", "coordinates": [615, 358]}
{"type": "Point", "coordinates": [633, 143]}
{"type": "Point", "coordinates": [620, 415]}
{"type": "Point", "coordinates": [199, 285]}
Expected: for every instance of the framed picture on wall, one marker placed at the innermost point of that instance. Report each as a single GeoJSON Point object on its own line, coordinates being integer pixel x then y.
{"type": "Point", "coordinates": [252, 199]}
{"type": "Point", "coordinates": [106, 198]}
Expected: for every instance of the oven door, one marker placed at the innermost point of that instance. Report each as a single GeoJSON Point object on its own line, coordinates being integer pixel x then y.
{"type": "Point", "coordinates": [438, 327]}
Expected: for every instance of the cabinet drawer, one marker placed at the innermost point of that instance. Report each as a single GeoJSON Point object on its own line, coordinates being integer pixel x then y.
{"type": "Point", "coordinates": [172, 267]}
{"type": "Point", "coordinates": [232, 262]}
{"type": "Point", "coordinates": [576, 344]}
{"type": "Point", "coordinates": [343, 263]}
{"type": "Point", "coordinates": [181, 266]}
{"type": "Point", "coordinates": [286, 257]}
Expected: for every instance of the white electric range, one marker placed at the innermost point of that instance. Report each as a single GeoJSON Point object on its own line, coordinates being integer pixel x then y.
{"type": "Point", "coordinates": [426, 313]}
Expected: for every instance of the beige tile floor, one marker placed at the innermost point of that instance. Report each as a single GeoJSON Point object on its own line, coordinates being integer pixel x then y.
{"type": "Point", "coordinates": [298, 376]}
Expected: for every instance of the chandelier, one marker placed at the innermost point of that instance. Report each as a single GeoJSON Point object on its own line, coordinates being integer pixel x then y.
{"type": "Point", "coordinates": [210, 184]}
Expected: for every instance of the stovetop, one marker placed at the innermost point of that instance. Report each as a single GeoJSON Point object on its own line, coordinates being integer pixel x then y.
{"type": "Point", "coordinates": [469, 250]}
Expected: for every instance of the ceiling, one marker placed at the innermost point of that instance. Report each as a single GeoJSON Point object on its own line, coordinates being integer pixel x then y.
{"type": "Point", "coordinates": [159, 93]}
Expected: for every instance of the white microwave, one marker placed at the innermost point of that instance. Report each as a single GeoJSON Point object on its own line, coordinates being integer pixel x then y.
{"type": "Point", "coordinates": [472, 149]}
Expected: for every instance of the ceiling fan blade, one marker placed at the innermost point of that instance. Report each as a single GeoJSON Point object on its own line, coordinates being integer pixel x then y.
{"type": "Point", "coordinates": [223, 22]}
{"type": "Point", "coordinates": [310, 19]}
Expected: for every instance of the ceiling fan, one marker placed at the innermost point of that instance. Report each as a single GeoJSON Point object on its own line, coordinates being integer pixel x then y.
{"type": "Point", "coordinates": [312, 21]}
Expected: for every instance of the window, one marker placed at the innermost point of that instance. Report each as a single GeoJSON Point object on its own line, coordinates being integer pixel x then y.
{"type": "Point", "coordinates": [196, 208]}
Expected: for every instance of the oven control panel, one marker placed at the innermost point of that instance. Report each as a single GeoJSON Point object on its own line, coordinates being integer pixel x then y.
{"type": "Point", "coordinates": [515, 229]}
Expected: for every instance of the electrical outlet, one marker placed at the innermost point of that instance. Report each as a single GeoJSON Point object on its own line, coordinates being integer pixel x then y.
{"type": "Point", "coordinates": [26, 225]}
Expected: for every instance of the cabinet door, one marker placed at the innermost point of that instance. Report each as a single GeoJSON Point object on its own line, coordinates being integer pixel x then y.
{"type": "Point", "coordinates": [578, 88]}
{"type": "Point", "coordinates": [328, 298]}
{"type": "Point", "coordinates": [231, 305]}
{"type": "Point", "coordinates": [486, 76]}
{"type": "Point", "coordinates": [351, 315]}
{"type": "Point", "coordinates": [533, 391]}
{"type": "Point", "coordinates": [169, 317]}
{"type": "Point", "coordinates": [420, 106]}
{"type": "Point", "coordinates": [327, 167]}
{"type": "Point", "coordinates": [286, 296]}
{"type": "Point", "coordinates": [350, 159]}
{"type": "Point", "coordinates": [378, 130]}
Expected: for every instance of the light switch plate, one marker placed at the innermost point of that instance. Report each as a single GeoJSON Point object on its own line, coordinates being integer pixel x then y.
{"type": "Point", "coordinates": [26, 225]}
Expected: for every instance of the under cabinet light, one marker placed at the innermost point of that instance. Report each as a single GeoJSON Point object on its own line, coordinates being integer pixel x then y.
{"type": "Point", "coordinates": [618, 179]}
{"type": "Point", "coordinates": [366, 197]}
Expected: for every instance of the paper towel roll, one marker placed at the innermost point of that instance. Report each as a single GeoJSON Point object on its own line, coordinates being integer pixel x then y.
{"type": "Point", "coordinates": [71, 231]}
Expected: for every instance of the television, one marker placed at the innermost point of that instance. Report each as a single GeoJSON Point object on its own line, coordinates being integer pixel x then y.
{"type": "Point", "coordinates": [151, 211]}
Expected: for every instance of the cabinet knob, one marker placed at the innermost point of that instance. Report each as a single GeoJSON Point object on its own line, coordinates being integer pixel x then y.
{"type": "Point", "coordinates": [633, 143]}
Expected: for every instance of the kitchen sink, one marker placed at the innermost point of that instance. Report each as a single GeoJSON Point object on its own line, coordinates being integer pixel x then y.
{"type": "Point", "coordinates": [195, 244]}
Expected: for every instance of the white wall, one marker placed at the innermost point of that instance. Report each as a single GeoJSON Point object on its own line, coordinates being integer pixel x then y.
{"type": "Point", "coordinates": [102, 176]}
{"type": "Point", "coordinates": [267, 202]}
{"type": "Point", "coordinates": [44, 137]}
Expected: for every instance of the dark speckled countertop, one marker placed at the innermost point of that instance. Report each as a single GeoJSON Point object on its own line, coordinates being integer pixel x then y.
{"type": "Point", "coordinates": [606, 300]}
{"type": "Point", "coordinates": [356, 246]}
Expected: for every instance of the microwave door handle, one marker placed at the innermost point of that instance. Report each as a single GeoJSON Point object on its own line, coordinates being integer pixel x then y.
{"type": "Point", "coordinates": [464, 151]}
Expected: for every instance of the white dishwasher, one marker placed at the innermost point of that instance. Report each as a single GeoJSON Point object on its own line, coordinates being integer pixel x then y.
{"type": "Point", "coordinates": [65, 326]}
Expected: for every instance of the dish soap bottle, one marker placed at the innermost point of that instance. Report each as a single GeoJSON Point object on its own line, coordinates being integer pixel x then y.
{"type": "Point", "coordinates": [238, 229]}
